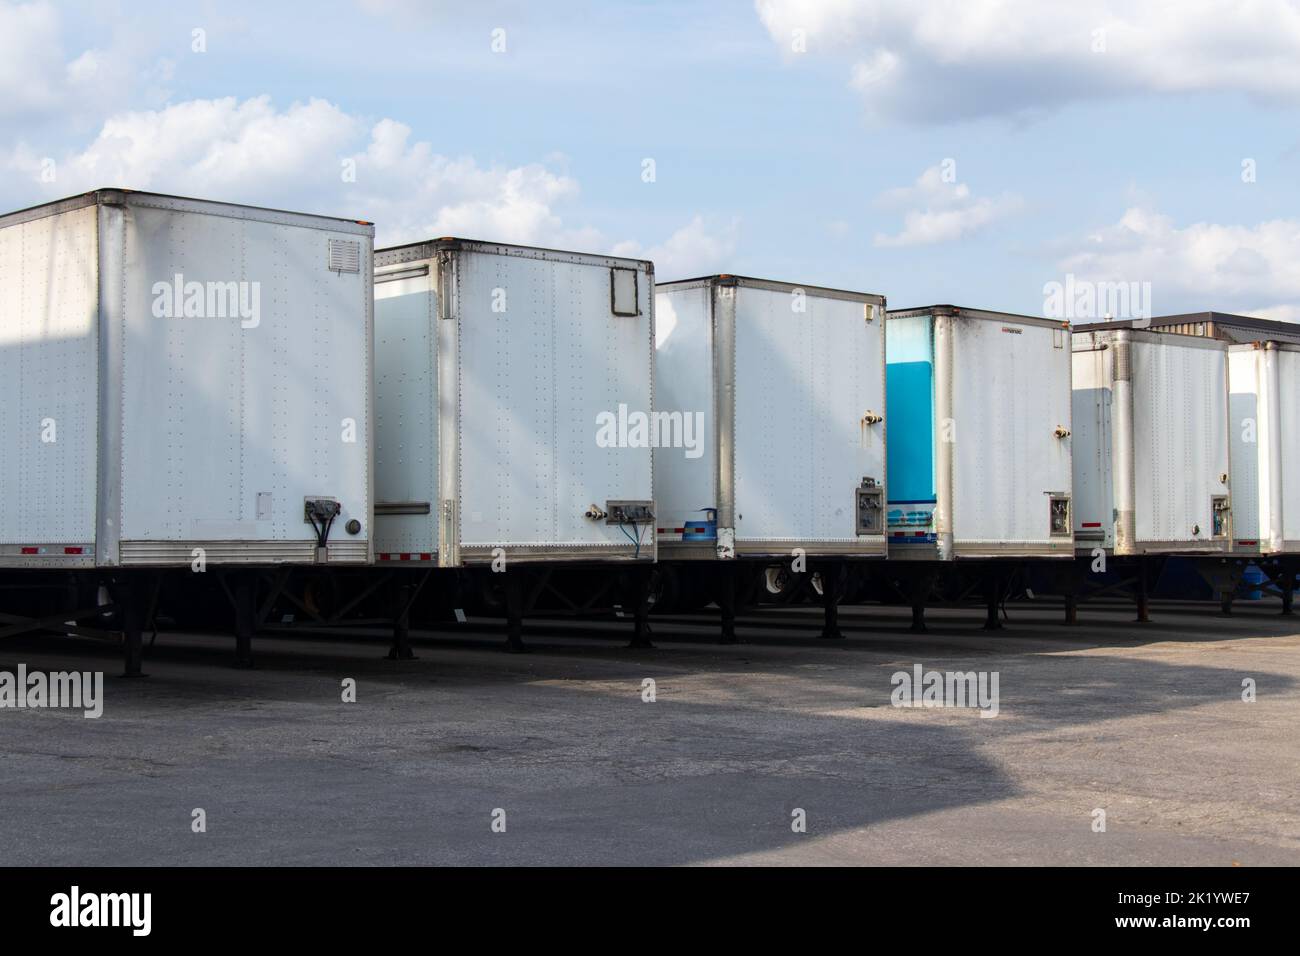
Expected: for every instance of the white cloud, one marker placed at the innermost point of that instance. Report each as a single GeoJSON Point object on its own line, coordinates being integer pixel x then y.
{"type": "Point", "coordinates": [1279, 313]}
{"type": "Point", "coordinates": [239, 150]}
{"type": "Point", "coordinates": [1204, 266]}
{"type": "Point", "coordinates": [946, 59]}
{"type": "Point", "coordinates": [34, 74]}
{"type": "Point", "coordinates": [696, 249]}
{"type": "Point", "coordinates": [941, 210]}
{"type": "Point", "coordinates": [39, 80]}
{"type": "Point", "coordinates": [300, 157]}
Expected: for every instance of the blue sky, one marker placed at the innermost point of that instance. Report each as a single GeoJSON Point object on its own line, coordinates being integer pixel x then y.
{"type": "Point", "coordinates": [968, 152]}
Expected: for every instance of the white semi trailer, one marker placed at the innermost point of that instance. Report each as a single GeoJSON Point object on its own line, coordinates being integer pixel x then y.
{"type": "Point", "coordinates": [1151, 443]}
{"type": "Point", "coordinates": [786, 383]}
{"type": "Point", "coordinates": [1264, 386]}
{"type": "Point", "coordinates": [183, 384]}
{"type": "Point", "coordinates": [980, 454]}
{"type": "Point", "coordinates": [515, 390]}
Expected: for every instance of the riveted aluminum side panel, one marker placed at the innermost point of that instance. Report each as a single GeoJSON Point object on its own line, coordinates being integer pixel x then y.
{"type": "Point", "coordinates": [407, 361]}
{"type": "Point", "coordinates": [49, 383]}
{"type": "Point", "coordinates": [245, 384]}
{"type": "Point", "coordinates": [1169, 438]}
{"type": "Point", "coordinates": [685, 478]}
{"type": "Point", "coordinates": [541, 387]}
{"type": "Point", "coordinates": [810, 418]}
{"type": "Point", "coordinates": [1010, 395]}
{"type": "Point", "coordinates": [791, 380]}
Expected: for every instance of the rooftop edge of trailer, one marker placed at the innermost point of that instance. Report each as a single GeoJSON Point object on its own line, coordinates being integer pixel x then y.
{"type": "Point", "coordinates": [427, 248]}
{"type": "Point", "coordinates": [943, 308]}
{"type": "Point", "coordinates": [117, 196]}
{"type": "Point", "coordinates": [772, 285]}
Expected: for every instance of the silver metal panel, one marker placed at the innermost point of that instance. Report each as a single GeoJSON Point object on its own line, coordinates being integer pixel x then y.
{"type": "Point", "coordinates": [944, 472]}
{"type": "Point", "coordinates": [809, 416]}
{"type": "Point", "coordinates": [773, 285]}
{"type": "Point", "coordinates": [230, 422]}
{"type": "Point", "coordinates": [723, 338]}
{"type": "Point", "coordinates": [1093, 496]}
{"type": "Point", "coordinates": [277, 217]}
{"type": "Point", "coordinates": [792, 380]}
{"type": "Point", "coordinates": [685, 480]}
{"type": "Point", "coordinates": [112, 350]}
{"type": "Point", "coordinates": [406, 398]}
{"type": "Point", "coordinates": [419, 252]}
{"type": "Point", "coordinates": [529, 353]}
{"type": "Point", "coordinates": [1011, 448]}
{"type": "Point", "coordinates": [444, 269]}
{"type": "Point", "coordinates": [1286, 442]}
{"type": "Point", "coordinates": [248, 552]}
{"type": "Point", "coordinates": [1180, 440]}
{"type": "Point", "coordinates": [48, 388]}
{"type": "Point", "coordinates": [542, 357]}
{"type": "Point", "coordinates": [1168, 422]}
{"type": "Point", "coordinates": [1265, 400]}
{"type": "Point", "coordinates": [1251, 450]}
{"type": "Point", "coordinates": [47, 554]}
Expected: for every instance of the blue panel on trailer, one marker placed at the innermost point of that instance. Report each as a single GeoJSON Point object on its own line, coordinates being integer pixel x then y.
{"type": "Point", "coordinates": [909, 395]}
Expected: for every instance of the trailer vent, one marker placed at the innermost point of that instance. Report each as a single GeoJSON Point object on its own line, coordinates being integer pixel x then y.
{"type": "Point", "coordinates": [345, 255]}
{"type": "Point", "coordinates": [623, 292]}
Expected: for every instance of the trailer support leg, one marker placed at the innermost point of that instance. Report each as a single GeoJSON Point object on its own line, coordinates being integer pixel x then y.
{"type": "Point", "coordinates": [1071, 608]}
{"type": "Point", "coordinates": [245, 594]}
{"type": "Point", "coordinates": [832, 586]}
{"type": "Point", "coordinates": [1286, 582]}
{"type": "Point", "coordinates": [401, 649]}
{"type": "Point", "coordinates": [515, 612]}
{"type": "Point", "coordinates": [638, 596]}
{"type": "Point", "coordinates": [727, 601]}
{"type": "Point", "coordinates": [1143, 599]}
{"type": "Point", "coordinates": [992, 593]}
{"type": "Point", "coordinates": [918, 590]}
{"type": "Point", "coordinates": [133, 622]}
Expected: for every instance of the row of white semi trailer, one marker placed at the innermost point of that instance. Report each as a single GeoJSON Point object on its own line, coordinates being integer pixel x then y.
{"type": "Point", "coordinates": [207, 406]}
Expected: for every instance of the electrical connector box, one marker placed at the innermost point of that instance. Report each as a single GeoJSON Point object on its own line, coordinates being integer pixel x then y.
{"type": "Point", "coordinates": [870, 508]}
{"type": "Point", "coordinates": [629, 512]}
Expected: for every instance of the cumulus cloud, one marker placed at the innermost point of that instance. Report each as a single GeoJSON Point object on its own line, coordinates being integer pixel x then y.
{"type": "Point", "coordinates": [948, 59]}
{"type": "Point", "coordinates": [316, 157]}
{"type": "Point", "coordinates": [936, 208]}
{"type": "Point", "coordinates": [39, 79]}
{"type": "Point", "coordinates": [695, 249]}
{"type": "Point", "coordinates": [1251, 269]}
